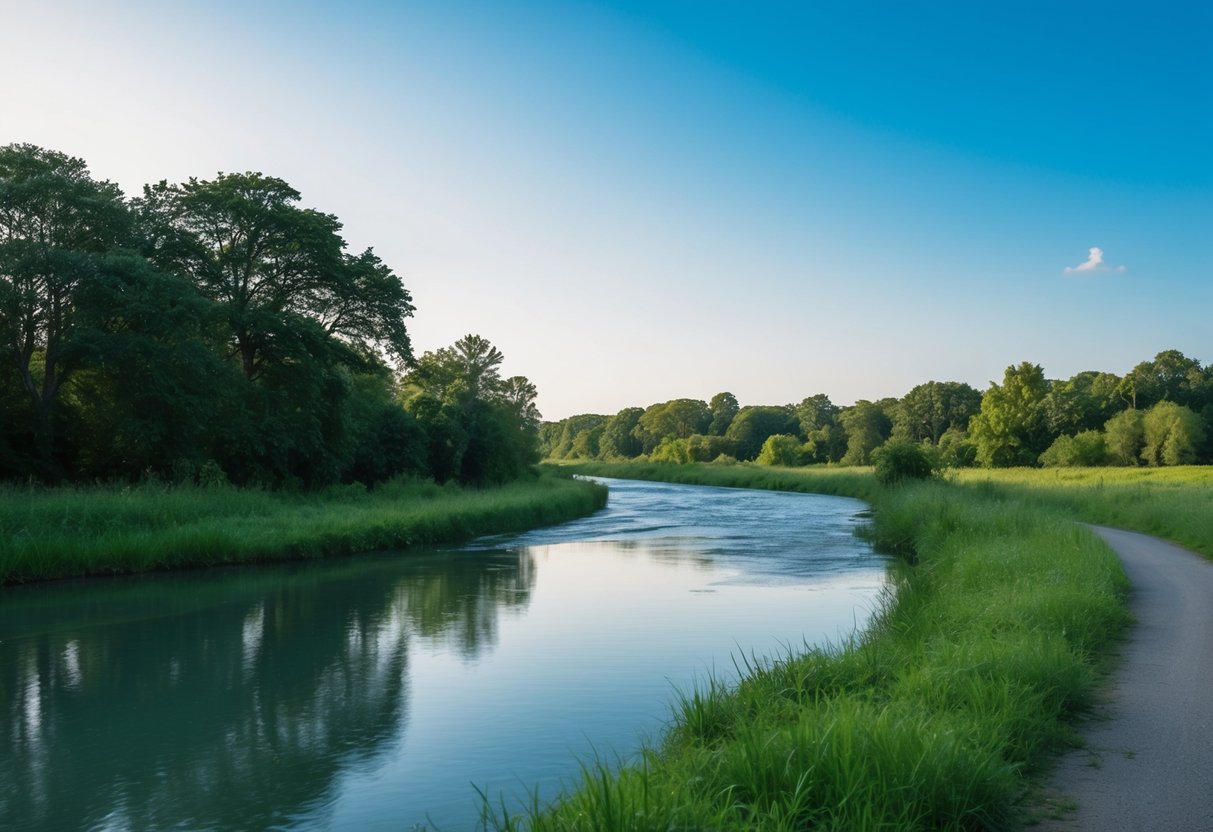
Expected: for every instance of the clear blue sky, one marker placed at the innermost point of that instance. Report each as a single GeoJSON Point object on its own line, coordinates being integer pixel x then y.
{"type": "Point", "coordinates": [643, 200]}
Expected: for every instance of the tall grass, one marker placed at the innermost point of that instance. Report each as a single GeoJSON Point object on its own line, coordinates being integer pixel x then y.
{"type": "Point", "coordinates": [1174, 503]}
{"type": "Point", "coordinates": [61, 532]}
{"type": "Point", "coordinates": [936, 718]}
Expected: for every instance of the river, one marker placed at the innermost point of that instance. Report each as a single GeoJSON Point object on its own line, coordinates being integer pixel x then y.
{"type": "Point", "coordinates": [380, 692]}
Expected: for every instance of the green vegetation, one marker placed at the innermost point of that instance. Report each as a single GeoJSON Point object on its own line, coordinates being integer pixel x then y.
{"type": "Point", "coordinates": [938, 717]}
{"type": "Point", "coordinates": [218, 330]}
{"type": "Point", "coordinates": [1172, 503]}
{"type": "Point", "coordinates": [61, 532]}
{"type": "Point", "coordinates": [900, 460]}
{"type": "Point", "coordinates": [1158, 414]}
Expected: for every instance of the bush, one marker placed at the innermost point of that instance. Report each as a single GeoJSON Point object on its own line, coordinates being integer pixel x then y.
{"type": "Point", "coordinates": [1087, 449]}
{"type": "Point", "coordinates": [672, 450]}
{"type": "Point", "coordinates": [956, 450]}
{"type": "Point", "coordinates": [899, 460]}
{"type": "Point", "coordinates": [781, 449]}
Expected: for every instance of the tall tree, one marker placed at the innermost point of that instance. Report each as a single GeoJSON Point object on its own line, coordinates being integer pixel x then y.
{"type": "Point", "coordinates": [675, 419]}
{"type": "Point", "coordinates": [816, 412]}
{"type": "Point", "coordinates": [929, 410]}
{"type": "Point", "coordinates": [1169, 376]}
{"type": "Point", "coordinates": [56, 222]}
{"type": "Point", "coordinates": [755, 423]}
{"type": "Point", "coordinates": [618, 439]}
{"type": "Point", "coordinates": [481, 428]}
{"type": "Point", "coordinates": [1083, 402]}
{"type": "Point", "coordinates": [267, 263]}
{"type": "Point", "coordinates": [1173, 435]}
{"type": "Point", "coordinates": [867, 427]}
{"type": "Point", "coordinates": [1011, 428]}
{"type": "Point", "coordinates": [724, 408]}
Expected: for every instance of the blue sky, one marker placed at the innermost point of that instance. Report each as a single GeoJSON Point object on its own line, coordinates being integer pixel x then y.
{"type": "Point", "coordinates": [642, 200]}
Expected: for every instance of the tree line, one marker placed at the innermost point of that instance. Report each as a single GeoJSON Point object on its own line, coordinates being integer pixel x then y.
{"type": "Point", "coordinates": [1159, 413]}
{"type": "Point", "coordinates": [215, 330]}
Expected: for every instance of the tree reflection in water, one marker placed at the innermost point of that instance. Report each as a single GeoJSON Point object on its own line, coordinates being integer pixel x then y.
{"type": "Point", "coordinates": [229, 699]}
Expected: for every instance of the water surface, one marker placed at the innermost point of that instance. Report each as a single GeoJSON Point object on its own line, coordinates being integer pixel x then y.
{"type": "Point", "coordinates": [374, 692]}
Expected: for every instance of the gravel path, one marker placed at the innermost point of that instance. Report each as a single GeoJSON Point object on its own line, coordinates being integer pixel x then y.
{"type": "Point", "coordinates": [1149, 766]}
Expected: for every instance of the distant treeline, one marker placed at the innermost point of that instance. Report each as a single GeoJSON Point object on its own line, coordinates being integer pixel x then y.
{"type": "Point", "coordinates": [215, 331]}
{"type": "Point", "coordinates": [1159, 413]}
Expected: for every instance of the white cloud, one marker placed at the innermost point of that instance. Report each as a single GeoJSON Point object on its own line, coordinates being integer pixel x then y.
{"type": "Point", "coordinates": [1094, 263]}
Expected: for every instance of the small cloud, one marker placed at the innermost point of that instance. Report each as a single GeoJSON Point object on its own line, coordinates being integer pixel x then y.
{"type": "Point", "coordinates": [1094, 263]}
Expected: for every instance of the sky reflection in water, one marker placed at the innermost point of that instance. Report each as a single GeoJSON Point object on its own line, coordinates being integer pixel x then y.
{"type": "Point", "coordinates": [372, 693]}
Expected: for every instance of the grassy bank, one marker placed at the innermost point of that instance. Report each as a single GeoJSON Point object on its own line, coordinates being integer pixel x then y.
{"type": "Point", "coordinates": [1172, 503]}
{"type": "Point", "coordinates": [936, 718]}
{"type": "Point", "coordinates": [55, 533]}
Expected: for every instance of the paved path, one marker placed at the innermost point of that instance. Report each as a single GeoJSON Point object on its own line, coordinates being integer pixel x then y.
{"type": "Point", "coordinates": [1149, 767]}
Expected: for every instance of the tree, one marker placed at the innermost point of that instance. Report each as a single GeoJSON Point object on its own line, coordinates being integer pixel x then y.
{"type": "Point", "coordinates": [618, 440]}
{"type": "Point", "coordinates": [1170, 376]}
{"type": "Point", "coordinates": [781, 449]}
{"type": "Point", "coordinates": [1124, 437]}
{"type": "Point", "coordinates": [675, 419]}
{"type": "Point", "coordinates": [930, 410]}
{"type": "Point", "coordinates": [708, 448]}
{"type": "Point", "coordinates": [519, 394]}
{"type": "Point", "coordinates": [1083, 402]}
{"type": "Point", "coordinates": [481, 428]}
{"type": "Point", "coordinates": [816, 412]}
{"type": "Point", "coordinates": [956, 449]}
{"type": "Point", "coordinates": [1011, 429]}
{"type": "Point", "coordinates": [826, 444]}
{"type": "Point", "coordinates": [56, 223]}
{"type": "Point", "coordinates": [753, 424]}
{"type": "Point", "coordinates": [867, 428]}
{"type": "Point", "coordinates": [267, 262]}
{"type": "Point", "coordinates": [1173, 435]}
{"type": "Point", "coordinates": [723, 407]}
{"type": "Point", "coordinates": [148, 389]}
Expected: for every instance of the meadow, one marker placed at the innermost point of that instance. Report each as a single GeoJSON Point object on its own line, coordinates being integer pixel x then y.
{"type": "Point", "coordinates": [1002, 617]}
{"type": "Point", "coordinates": [1174, 503]}
{"type": "Point", "coordinates": [99, 530]}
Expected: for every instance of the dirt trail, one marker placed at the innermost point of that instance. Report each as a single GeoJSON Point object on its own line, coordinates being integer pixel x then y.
{"type": "Point", "coordinates": [1149, 767]}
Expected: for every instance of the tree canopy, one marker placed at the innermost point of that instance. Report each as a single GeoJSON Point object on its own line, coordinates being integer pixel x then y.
{"type": "Point", "coordinates": [216, 329]}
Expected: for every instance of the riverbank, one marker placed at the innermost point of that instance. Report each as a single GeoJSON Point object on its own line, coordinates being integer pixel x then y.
{"type": "Point", "coordinates": [66, 532]}
{"type": "Point", "coordinates": [939, 717]}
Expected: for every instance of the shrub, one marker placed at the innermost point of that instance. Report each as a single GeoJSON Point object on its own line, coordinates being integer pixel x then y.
{"type": "Point", "coordinates": [1087, 449]}
{"type": "Point", "coordinates": [781, 449]}
{"type": "Point", "coordinates": [899, 460]}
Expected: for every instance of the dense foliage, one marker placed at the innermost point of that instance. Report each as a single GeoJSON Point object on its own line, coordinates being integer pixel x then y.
{"type": "Point", "coordinates": [1159, 413]}
{"type": "Point", "coordinates": [215, 330]}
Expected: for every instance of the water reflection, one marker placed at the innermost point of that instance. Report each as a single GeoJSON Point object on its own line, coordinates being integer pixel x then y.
{"type": "Point", "coordinates": [371, 693]}
{"type": "Point", "coordinates": [228, 700]}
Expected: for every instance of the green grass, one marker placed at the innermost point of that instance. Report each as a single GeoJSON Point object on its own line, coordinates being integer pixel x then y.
{"type": "Point", "coordinates": [987, 646]}
{"type": "Point", "coordinates": [1172, 503]}
{"type": "Point", "coordinates": [62, 532]}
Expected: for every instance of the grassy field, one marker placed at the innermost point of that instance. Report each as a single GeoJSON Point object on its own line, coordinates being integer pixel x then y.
{"type": "Point", "coordinates": [61, 532]}
{"type": "Point", "coordinates": [1172, 503]}
{"type": "Point", "coordinates": [938, 717]}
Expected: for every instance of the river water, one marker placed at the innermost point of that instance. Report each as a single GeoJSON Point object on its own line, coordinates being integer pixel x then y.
{"type": "Point", "coordinates": [380, 692]}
